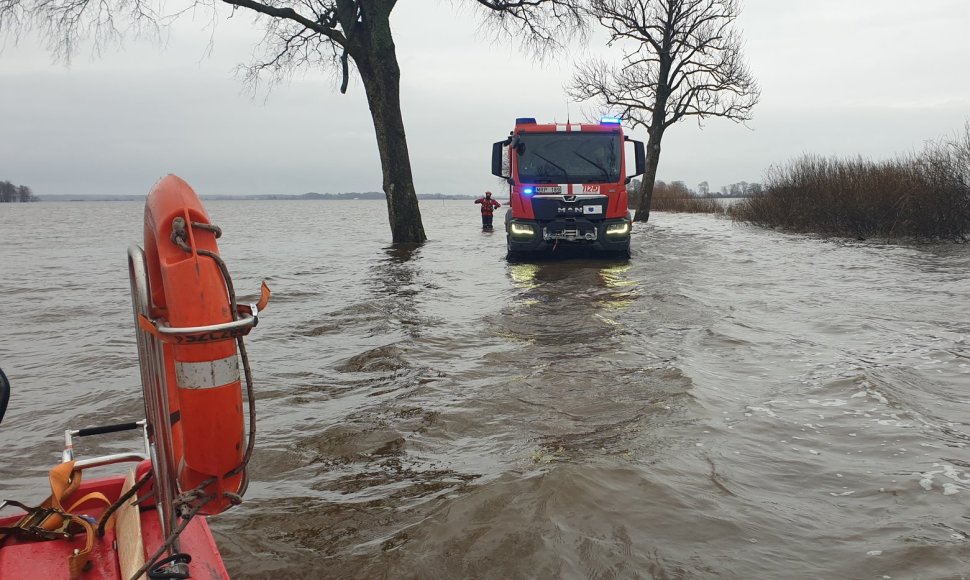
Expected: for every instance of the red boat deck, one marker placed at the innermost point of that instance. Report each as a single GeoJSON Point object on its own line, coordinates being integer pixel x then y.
{"type": "Point", "coordinates": [48, 560]}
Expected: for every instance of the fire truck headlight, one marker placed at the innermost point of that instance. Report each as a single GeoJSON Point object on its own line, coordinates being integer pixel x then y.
{"type": "Point", "coordinates": [521, 230]}
{"type": "Point", "coordinates": [620, 229]}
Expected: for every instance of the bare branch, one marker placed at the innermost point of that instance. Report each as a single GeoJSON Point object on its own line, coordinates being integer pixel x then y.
{"type": "Point", "coordinates": [64, 24]}
{"type": "Point", "coordinates": [333, 35]}
{"type": "Point", "coordinates": [287, 13]}
{"type": "Point", "coordinates": [685, 61]}
{"type": "Point", "coordinates": [681, 58]}
{"type": "Point", "coordinates": [540, 24]}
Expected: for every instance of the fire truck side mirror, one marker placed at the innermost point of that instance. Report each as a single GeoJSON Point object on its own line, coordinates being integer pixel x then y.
{"type": "Point", "coordinates": [640, 156]}
{"type": "Point", "coordinates": [497, 159]}
{"type": "Point", "coordinates": [4, 394]}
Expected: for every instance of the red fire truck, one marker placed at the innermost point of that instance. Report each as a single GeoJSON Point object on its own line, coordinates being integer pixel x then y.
{"type": "Point", "coordinates": [567, 185]}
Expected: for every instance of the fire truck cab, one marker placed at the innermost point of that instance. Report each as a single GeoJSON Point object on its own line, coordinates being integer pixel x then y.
{"type": "Point", "coordinates": [567, 185]}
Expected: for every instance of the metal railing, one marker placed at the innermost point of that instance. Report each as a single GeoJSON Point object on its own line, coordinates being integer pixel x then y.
{"type": "Point", "coordinates": [151, 359]}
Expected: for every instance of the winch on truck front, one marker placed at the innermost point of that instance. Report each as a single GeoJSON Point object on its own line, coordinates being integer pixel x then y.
{"type": "Point", "coordinates": [567, 183]}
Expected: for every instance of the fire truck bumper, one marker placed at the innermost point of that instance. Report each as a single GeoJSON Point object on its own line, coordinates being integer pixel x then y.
{"type": "Point", "coordinates": [610, 235]}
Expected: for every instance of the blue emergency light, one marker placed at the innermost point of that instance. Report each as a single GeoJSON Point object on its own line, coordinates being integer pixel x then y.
{"type": "Point", "coordinates": [610, 121]}
{"type": "Point", "coordinates": [527, 191]}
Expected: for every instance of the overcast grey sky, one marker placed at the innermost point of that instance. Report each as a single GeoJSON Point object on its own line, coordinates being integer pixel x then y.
{"type": "Point", "coordinates": [862, 77]}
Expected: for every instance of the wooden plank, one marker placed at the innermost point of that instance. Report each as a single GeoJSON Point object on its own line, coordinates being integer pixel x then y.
{"type": "Point", "coordinates": [131, 549]}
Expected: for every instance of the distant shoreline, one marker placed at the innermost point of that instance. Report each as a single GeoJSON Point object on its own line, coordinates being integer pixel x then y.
{"type": "Point", "coordinates": [372, 196]}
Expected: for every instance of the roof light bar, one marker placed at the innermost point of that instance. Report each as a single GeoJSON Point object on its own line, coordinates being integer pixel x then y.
{"type": "Point", "coordinates": [610, 121]}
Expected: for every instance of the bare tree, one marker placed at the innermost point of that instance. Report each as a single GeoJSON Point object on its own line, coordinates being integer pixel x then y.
{"type": "Point", "coordinates": [24, 194]}
{"type": "Point", "coordinates": [7, 192]}
{"type": "Point", "coordinates": [681, 58]}
{"type": "Point", "coordinates": [308, 33]}
{"type": "Point", "coordinates": [10, 193]}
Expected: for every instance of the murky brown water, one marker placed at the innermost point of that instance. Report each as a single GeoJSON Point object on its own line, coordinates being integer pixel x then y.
{"type": "Point", "coordinates": [731, 403]}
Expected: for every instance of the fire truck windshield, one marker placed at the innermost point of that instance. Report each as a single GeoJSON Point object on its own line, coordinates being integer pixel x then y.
{"type": "Point", "coordinates": [568, 157]}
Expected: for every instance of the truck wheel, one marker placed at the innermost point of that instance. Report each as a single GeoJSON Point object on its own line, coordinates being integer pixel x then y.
{"type": "Point", "coordinates": [625, 251]}
{"type": "Point", "coordinates": [509, 254]}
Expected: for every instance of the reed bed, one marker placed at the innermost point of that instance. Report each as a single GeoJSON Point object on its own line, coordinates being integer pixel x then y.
{"type": "Point", "coordinates": [921, 196]}
{"type": "Point", "coordinates": [670, 197]}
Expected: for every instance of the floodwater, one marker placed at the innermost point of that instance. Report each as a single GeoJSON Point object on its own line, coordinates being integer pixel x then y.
{"type": "Point", "coordinates": [730, 403]}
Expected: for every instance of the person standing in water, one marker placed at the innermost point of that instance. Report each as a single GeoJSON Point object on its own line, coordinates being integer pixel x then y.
{"type": "Point", "coordinates": [488, 207]}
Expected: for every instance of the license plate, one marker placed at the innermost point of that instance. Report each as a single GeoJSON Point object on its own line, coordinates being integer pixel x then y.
{"type": "Point", "coordinates": [549, 189]}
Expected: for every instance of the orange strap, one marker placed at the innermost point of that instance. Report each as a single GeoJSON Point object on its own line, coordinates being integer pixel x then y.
{"type": "Point", "coordinates": [145, 324]}
{"type": "Point", "coordinates": [77, 561]}
{"type": "Point", "coordinates": [64, 481]}
{"type": "Point", "coordinates": [264, 295]}
{"type": "Point", "coordinates": [101, 498]}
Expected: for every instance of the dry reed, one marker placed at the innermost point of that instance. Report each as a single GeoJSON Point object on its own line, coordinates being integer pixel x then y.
{"type": "Point", "coordinates": [922, 196]}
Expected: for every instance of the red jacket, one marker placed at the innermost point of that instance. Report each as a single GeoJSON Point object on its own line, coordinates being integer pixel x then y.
{"type": "Point", "coordinates": [488, 205]}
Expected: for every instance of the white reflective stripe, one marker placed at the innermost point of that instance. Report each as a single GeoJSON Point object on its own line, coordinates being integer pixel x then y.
{"type": "Point", "coordinates": [207, 375]}
{"type": "Point", "coordinates": [561, 128]}
{"type": "Point", "coordinates": [575, 127]}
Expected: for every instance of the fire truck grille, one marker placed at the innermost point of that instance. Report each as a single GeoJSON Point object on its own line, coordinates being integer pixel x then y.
{"type": "Point", "coordinates": [569, 232]}
{"type": "Point", "coordinates": [554, 207]}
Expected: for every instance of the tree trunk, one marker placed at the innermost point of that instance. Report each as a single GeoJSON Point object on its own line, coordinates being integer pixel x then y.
{"type": "Point", "coordinates": [376, 61]}
{"type": "Point", "coordinates": [649, 177]}
{"type": "Point", "coordinates": [658, 124]}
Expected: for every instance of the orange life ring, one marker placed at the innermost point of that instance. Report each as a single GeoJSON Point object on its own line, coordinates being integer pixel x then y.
{"type": "Point", "coordinates": [204, 388]}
